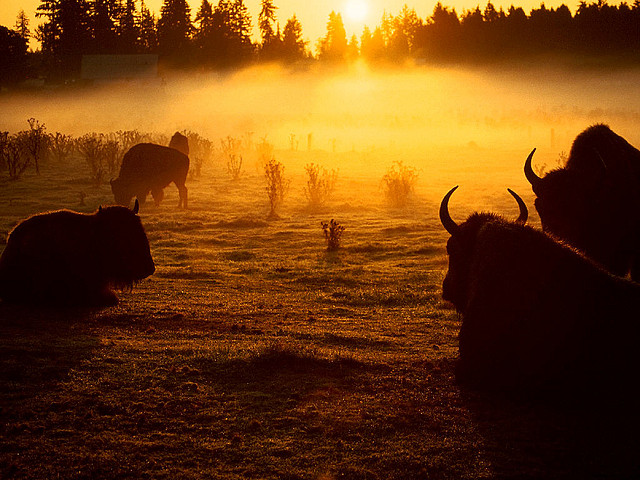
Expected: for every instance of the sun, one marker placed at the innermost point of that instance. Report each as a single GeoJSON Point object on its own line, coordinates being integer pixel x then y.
{"type": "Point", "coordinates": [356, 10]}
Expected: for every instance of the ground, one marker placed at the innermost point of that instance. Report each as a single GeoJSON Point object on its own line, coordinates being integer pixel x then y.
{"type": "Point", "coordinates": [252, 352]}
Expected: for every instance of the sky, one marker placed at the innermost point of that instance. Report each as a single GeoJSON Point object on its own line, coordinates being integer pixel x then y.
{"type": "Point", "coordinates": [313, 15]}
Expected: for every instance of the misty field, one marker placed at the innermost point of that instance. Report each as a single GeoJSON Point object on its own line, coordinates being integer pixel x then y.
{"type": "Point", "coordinates": [253, 352]}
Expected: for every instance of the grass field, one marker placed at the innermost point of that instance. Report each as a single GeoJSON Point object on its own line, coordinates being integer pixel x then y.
{"type": "Point", "coordinates": [252, 352]}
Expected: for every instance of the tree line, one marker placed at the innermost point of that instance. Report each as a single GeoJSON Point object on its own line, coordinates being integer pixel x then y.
{"type": "Point", "coordinates": [220, 35]}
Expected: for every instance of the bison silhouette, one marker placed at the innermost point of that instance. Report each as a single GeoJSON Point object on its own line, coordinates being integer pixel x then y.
{"type": "Point", "coordinates": [536, 313]}
{"type": "Point", "coordinates": [149, 168]}
{"type": "Point", "coordinates": [70, 258]}
{"type": "Point", "coordinates": [593, 202]}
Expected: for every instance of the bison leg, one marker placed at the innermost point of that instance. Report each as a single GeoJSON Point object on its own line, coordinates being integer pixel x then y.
{"type": "Point", "coordinates": [183, 196]}
{"type": "Point", "coordinates": [158, 195]}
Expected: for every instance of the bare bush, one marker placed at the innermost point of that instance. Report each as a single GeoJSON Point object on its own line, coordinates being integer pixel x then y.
{"type": "Point", "coordinates": [399, 182]}
{"type": "Point", "coordinates": [332, 234]}
{"type": "Point", "coordinates": [232, 152]}
{"type": "Point", "coordinates": [320, 184]}
{"type": "Point", "coordinates": [128, 138]}
{"type": "Point", "coordinates": [265, 151]}
{"type": "Point", "coordinates": [200, 152]}
{"type": "Point", "coordinates": [35, 142]}
{"type": "Point", "coordinates": [13, 156]}
{"type": "Point", "coordinates": [277, 185]}
{"type": "Point", "coordinates": [101, 154]}
{"type": "Point", "coordinates": [61, 146]}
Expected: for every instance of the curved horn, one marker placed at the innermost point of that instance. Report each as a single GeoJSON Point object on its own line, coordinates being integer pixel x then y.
{"type": "Point", "coordinates": [447, 222]}
{"type": "Point", "coordinates": [533, 179]}
{"type": "Point", "coordinates": [524, 212]}
{"type": "Point", "coordinates": [136, 207]}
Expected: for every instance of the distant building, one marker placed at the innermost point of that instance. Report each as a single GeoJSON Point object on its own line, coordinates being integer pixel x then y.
{"type": "Point", "coordinates": [119, 67]}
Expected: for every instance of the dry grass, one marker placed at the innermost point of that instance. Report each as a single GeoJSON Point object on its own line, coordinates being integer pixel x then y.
{"type": "Point", "coordinates": [253, 353]}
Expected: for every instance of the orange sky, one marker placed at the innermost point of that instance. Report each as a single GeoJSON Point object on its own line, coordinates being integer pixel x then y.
{"type": "Point", "coordinates": [312, 14]}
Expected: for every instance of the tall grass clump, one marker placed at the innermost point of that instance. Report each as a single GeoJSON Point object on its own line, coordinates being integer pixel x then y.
{"type": "Point", "coordinates": [277, 185]}
{"type": "Point", "coordinates": [232, 152]}
{"type": "Point", "coordinates": [320, 184]}
{"type": "Point", "coordinates": [332, 234]}
{"type": "Point", "coordinates": [399, 183]}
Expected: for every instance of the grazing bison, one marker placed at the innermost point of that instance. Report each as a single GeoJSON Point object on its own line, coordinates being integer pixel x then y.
{"type": "Point", "coordinates": [149, 168]}
{"type": "Point", "coordinates": [536, 313]}
{"type": "Point", "coordinates": [594, 201]}
{"type": "Point", "coordinates": [69, 258]}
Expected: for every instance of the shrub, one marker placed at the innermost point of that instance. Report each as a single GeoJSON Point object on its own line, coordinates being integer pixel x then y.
{"type": "Point", "coordinates": [61, 146]}
{"type": "Point", "coordinates": [101, 154]}
{"type": "Point", "coordinates": [200, 151]}
{"type": "Point", "coordinates": [265, 152]}
{"type": "Point", "coordinates": [231, 151]}
{"type": "Point", "coordinates": [277, 185]}
{"type": "Point", "coordinates": [12, 155]}
{"type": "Point", "coordinates": [320, 184]}
{"type": "Point", "coordinates": [399, 182]}
{"type": "Point", "coordinates": [35, 142]}
{"type": "Point", "coordinates": [332, 234]}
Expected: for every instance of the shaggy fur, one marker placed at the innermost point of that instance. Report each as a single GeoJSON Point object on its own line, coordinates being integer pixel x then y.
{"type": "Point", "coordinates": [69, 258]}
{"type": "Point", "coordinates": [149, 168]}
{"type": "Point", "coordinates": [180, 143]}
{"type": "Point", "coordinates": [537, 314]}
{"type": "Point", "coordinates": [594, 201]}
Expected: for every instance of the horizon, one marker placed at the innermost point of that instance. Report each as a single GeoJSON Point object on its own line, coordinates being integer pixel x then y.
{"type": "Point", "coordinates": [312, 16]}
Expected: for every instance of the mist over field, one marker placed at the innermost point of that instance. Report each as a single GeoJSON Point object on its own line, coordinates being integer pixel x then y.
{"type": "Point", "coordinates": [253, 351]}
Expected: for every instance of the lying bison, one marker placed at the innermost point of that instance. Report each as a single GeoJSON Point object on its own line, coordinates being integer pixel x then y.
{"type": "Point", "coordinates": [149, 168]}
{"type": "Point", "coordinates": [69, 258]}
{"type": "Point", "coordinates": [536, 314]}
{"type": "Point", "coordinates": [594, 201]}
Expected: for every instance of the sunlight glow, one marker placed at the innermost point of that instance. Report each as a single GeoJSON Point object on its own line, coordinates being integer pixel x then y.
{"type": "Point", "coordinates": [356, 10]}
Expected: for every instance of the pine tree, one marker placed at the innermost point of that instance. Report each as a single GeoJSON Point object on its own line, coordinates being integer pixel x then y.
{"type": "Point", "coordinates": [174, 28]}
{"type": "Point", "coordinates": [104, 18]}
{"type": "Point", "coordinates": [129, 28]}
{"type": "Point", "coordinates": [293, 45]}
{"type": "Point", "coordinates": [148, 30]}
{"type": "Point", "coordinates": [265, 20]}
{"type": "Point", "coordinates": [22, 26]}
{"type": "Point", "coordinates": [333, 46]}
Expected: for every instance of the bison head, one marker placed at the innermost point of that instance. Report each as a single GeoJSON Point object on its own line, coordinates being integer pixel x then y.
{"type": "Point", "coordinates": [566, 200]}
{"type": "Point", "coordinates": [461, 248]}
{"type": "Point", "coordinates": [124, 241]}
{"type": "Point", "coordinates": [121, 192]}
{"type": "Point", "coordinates": [180, 143]}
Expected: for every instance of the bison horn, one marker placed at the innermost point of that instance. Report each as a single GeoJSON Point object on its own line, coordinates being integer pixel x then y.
{"type": "Point", "coordinates": [524, 213]}
{"type": "Point", "coordinates": [136, 207]}
{"type": "Point", "coordinates": [534, 180]}
{"type": "Point", "coordinates": [451, 226]}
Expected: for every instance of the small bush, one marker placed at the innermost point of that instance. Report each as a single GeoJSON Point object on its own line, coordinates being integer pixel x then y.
{"type": "Point", "coordinates": [320, 184]}
{"type": "Point", "coordinates": [101, 154]}
{"type": "Point", "coordinates": [61, 146]}
{"type": "Point", "coordinates": [12, 155]}
{"type": "Point", "coordinates": [34, 142]}
{"type": "Point", "coordinates": [277, 185]}
{"type": "Point", "coordinates": [399, 182]}
{"type": "Point", "coordinates": [265, 151]}
{"type": "Point", "coordinates": [200, 152]}
{"type": "Point", "coordinates": [332, 234]}
{"type": "Point", "coordinates": [232, 152]}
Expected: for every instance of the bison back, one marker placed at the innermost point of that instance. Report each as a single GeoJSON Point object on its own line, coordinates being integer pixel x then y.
{"type": "Point", "coordinates": [147, 163]}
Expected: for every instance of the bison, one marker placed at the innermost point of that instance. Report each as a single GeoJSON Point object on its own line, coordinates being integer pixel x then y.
{"type": "Point", "coordinates": [70, 258]}
{"type": "Point", "coordinates": [149, 168]}
{"type": "Point", "coordinates": [593, 202]}
{"type": "Point", "coordinates": [536, 313]}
